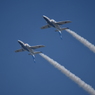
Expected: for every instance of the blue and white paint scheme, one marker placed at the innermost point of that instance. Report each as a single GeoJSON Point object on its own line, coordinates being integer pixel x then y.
{"type": "Point", "coordinates": [53, 23]}
{"type": "Point", "coordinates": [27, 47]}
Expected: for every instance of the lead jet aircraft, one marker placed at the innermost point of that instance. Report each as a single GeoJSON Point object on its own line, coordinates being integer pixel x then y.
{"type": "Point", "coordinates": [53, 23]}
{"type": "Point", "coordinates": [27, 47]}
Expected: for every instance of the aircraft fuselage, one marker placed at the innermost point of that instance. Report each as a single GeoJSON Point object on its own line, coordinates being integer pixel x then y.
{"type": "Point", "coordinates": [52, 23]}
{"type": "Point", "coordinates": [25, 46]}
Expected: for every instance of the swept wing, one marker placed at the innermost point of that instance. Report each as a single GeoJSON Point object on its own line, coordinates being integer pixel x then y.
{"type": "Point", "coordinates": [62, 22]}
{"type": "Point", "coordinates": [37, 46]}
{"type": "Point", "coordinates": [19, 50]}
{"type": "Point", "coordinates": [46, 26]}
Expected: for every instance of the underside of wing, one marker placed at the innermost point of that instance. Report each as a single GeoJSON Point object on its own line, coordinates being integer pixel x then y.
{"type": "Point", "coordinates": [37, 46]}
{"type": "Point", "coordinates": [63, 22]}
{"type": "Point", "coordinates": [19, 50]}
{"type": "Point", "coordinates": [46, 26]}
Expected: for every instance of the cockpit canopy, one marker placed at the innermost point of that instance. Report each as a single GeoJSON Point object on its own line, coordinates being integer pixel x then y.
{"type": "Point", "coordinates": [27, 44]}
{"type": "Point", "coordinates": [53, 20]}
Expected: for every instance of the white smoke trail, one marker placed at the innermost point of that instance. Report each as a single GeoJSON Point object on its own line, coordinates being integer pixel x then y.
{"type": "Point", "coordinates": [76, 79]}
{"type": "Point", "coordinates": [82, 40]}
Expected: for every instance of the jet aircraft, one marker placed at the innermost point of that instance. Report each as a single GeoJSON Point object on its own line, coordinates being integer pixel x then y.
{"type": "Point", "coordinates": [27, 47]}
{"type": "Point", "coordinates": [53, 23]}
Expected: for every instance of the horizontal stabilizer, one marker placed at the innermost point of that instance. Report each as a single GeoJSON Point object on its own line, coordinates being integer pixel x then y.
{"type": "Point", "coordinates": [62, 29]}
{"type": "Point", "coordinates": [37, 52]}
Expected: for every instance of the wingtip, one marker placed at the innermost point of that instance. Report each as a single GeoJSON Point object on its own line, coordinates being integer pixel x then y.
{"type": "Point", "coordinates": [43, 45]}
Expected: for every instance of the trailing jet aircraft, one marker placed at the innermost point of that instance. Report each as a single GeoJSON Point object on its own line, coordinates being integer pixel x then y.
{"type": "Point", "coordinates": [27, 47]}
{"type": "Point", "coordinates": [53, 23]}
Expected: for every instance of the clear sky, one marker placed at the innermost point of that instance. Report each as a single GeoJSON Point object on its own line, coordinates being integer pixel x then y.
{"type": "Point", "coordinates": [21, 20]}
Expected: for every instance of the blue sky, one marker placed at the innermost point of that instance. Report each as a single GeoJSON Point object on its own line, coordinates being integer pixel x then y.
{"type": "Point", "coordinates": [21, 20]}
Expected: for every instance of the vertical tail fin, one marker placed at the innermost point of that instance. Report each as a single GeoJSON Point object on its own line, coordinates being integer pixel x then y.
{"type": "Point", "coordinates": [60, 34]}
{"type": "Point", "coordinates": [60, 31]}
{"type": "Point", "coordinates": [33, 55]}
{"type": "Point", "coordinates": [34, 58]}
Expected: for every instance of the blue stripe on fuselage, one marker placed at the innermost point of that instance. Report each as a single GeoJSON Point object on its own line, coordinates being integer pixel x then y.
{"type": "Point", "coordinates": [24, 47]}
{"type": "Point", "coordinates": [48, 21]}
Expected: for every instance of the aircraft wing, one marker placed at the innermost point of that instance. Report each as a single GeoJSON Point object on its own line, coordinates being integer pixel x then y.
{"type": "Point", "coordinates": [19, 50]}
{"type": "Point", "coordinates": [37, 46]}
{"type": "Point", "coordinates": [46, 26]}
{"type": "Point", "coordinates": [63, 22]}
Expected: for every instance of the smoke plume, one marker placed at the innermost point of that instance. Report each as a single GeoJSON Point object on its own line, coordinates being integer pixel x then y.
{"type": "Point", "coordinates": [82, 40]}
{"type": "Point", "coordinates": [72, 76]}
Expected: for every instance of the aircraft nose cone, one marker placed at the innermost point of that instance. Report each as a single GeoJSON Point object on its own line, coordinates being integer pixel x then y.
{"type": "Point", "coordinates": [44, 17]}
{"type": "Point", "coordinates": [19, 41]}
